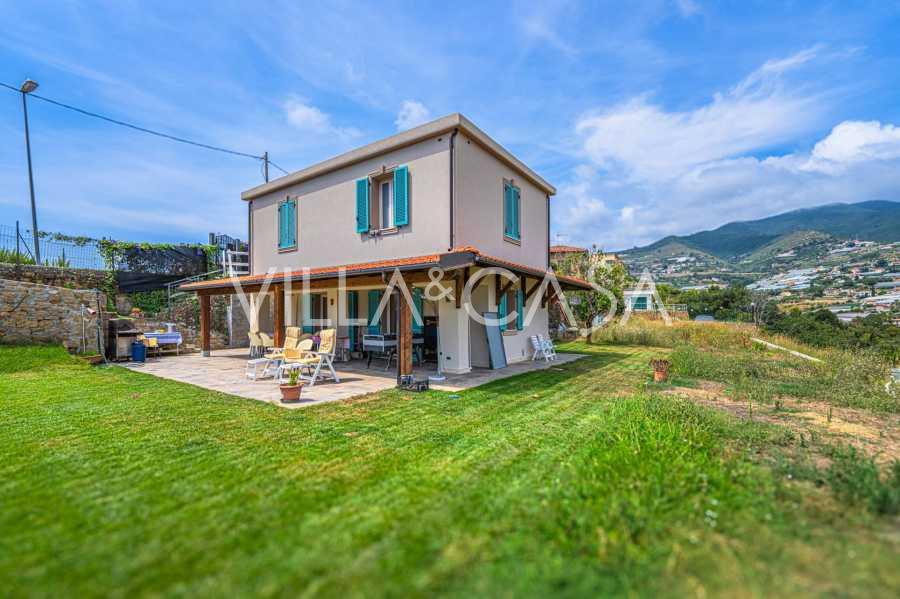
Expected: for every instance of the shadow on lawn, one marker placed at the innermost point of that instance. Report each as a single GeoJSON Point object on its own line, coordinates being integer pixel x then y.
{"type": "Point", "coordinates": [592, 364]}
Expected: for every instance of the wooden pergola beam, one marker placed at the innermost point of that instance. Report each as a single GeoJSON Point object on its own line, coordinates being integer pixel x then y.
{"type": "Point", "coordinates": [205, 310]}
{"type": "Point", "coordinates": [530, 292]}
{"type": "Point", "coordinates": [320, 284]}
{"type": "Point", "coordinates": [278, 291]}
{"type": "Point", "coordinates": [404, 336]}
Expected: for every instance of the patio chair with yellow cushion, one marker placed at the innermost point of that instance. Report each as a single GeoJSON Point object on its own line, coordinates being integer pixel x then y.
{"type": "Point", "coordinates": [256, 344]}
{"type": "Point", "coordinates": [323, 357]}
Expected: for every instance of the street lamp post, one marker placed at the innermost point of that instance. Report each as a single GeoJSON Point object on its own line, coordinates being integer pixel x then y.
{"type": "Point", "coordinates": [27, 87]}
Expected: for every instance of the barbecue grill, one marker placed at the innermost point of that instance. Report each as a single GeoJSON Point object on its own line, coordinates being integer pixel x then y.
{"type": "Point", "coordinates": [120, 334]}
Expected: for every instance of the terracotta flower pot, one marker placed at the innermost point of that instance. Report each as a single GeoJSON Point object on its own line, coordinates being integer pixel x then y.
{"type": "Point", "coordinates": [290, 393]}
{"type": "Point", "coordinates": [660, 370]}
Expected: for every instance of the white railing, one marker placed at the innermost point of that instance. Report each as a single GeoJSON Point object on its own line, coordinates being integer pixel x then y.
{"type": "Point", "coordinates": [235, 268]}
{"type": "Point", "coordinates": [676, 307]}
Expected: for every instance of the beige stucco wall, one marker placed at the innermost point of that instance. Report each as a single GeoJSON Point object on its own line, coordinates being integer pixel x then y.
{"type": "Point", "coordinates": [479, 207]}
{"type": "Point", "coordinates": [326, 214]}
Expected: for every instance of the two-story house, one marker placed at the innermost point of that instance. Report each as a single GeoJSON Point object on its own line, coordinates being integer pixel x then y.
{"type": "Point", "coordinates": [443, 194]}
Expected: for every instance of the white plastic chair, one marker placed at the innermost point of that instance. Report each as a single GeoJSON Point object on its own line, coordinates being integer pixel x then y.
{"type": "Point", "coordinates": [547, 344]}
{"type": "Point", "coordinates": [323, 357]}
{"type": "Point", "coordinates": [539, 350]}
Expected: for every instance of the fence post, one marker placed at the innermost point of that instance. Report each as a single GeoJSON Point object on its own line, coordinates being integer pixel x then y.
{"type": "Point", "coordinates": [17, 245]}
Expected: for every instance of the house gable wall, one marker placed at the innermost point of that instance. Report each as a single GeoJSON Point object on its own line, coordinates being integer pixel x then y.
{"type": "Point", "coordinates": [326, 214]}
{"type": "Point", "coordinates": [479, 207]}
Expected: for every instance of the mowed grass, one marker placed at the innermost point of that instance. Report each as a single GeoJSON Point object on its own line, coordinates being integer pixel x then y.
{"type": "Point", "coordinates": [571, 481]}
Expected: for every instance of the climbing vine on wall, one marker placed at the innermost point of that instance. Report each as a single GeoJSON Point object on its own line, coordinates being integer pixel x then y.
{"type": "Point", "coordinates": [161, 258]}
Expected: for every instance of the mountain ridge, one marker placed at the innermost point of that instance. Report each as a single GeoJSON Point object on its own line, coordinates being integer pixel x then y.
{"type": "Point", "coordinates": [872, 220]}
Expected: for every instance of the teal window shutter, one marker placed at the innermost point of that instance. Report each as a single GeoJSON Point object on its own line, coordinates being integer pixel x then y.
{"type": "Point", "coordinates": [362, 205]}
{"type": "Point", "coordinates": [307, 313]}
{"type": "Point", "coordinates": [287, 224]}
{"type": "Point", "coordinates": [401, 196]}
{"type": "Point", "coordinates": [507, 209]}
{"type": "Point", "coordinates": [374, 300]}
{"type": "Point", "coordinates": [520, 309]}
{"type": "Point", "coordinates": [418, 302]}
{"type": "Point", "coordinates": [502, 311]}
{"type": "Point", "coordinates": [281, 225]}
{"type": "Point", "coordinates": [352, 312]}
{"type": "Point", "coordinates": [516, 210]}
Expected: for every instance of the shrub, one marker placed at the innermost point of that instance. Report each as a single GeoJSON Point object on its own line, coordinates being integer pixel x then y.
{"type": "Point", "coordinates": [856, 478]}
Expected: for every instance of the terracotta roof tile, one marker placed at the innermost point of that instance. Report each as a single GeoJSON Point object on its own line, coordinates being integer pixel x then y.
{"type": "Point", "coordinates": [378, 265]}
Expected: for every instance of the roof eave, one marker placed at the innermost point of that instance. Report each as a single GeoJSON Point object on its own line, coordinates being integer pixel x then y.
{"type": "Point", "coordinates": [401, 140]}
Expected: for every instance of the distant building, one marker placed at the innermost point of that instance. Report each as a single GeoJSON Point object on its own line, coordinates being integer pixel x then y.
{"type": "Point", "coordinates": [558, 253]}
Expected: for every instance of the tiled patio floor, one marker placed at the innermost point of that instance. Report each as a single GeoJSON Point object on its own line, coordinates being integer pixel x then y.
{"type": "Point", "coordinates": [225, 371]}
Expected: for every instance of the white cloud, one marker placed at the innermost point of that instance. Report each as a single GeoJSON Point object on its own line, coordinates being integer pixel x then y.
{"type": "Point", "coordinates": [412, 114]}
{"type": "Point", "coordinates": [687, 8]}
{"type": "Point", "coordinates": [656, 172]}
{"type": "Point", "coordinates": [852, 142]}
{"type": "Point", "coordinates": [650, 143]}
{"type": "Point", "coordinates": [539, 26]}
{"type": "Point", "coordinates": [307, 117]}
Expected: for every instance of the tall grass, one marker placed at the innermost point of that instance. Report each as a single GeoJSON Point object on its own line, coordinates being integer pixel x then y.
{"type": "Point", "coordinates": [856, 479]}
{"type": "Point", "coordinates": [657, 334]}
{"type": "Point", "coordinates": [712, 335]}
{"type": "Point", "coordinates": [844, 378]}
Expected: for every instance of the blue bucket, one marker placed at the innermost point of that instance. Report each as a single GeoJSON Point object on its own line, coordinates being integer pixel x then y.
{"type": "Point", "coordinates": [138, 352]}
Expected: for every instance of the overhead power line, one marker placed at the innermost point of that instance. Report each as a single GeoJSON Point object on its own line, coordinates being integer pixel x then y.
{"type": "Point", "coordinates": [143, 129]}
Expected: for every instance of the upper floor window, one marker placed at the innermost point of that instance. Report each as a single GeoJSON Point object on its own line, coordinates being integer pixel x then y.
{"type": "Point", "coordinates": [287, 224]}
{"type": "Point", "coordinates": [511, 212]}
{"type": "Point", "coordinates": [382, 201]}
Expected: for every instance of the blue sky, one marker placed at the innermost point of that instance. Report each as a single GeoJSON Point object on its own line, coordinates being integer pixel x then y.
{"type": "Point", "coordinates": [652, 118]}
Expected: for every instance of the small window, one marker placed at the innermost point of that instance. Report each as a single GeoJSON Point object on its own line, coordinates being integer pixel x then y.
{"type": "Point", "coordinates": [387, 204]}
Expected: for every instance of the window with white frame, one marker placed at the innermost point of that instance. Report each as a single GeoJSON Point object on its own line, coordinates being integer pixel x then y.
{"type": "Point", "coordinates": [386, 204]}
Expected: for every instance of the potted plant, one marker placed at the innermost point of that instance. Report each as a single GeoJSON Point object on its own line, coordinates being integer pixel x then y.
{"type": "Point", "coordinates": [291, 391]}
{"type": "Point", "coordinates": [660, 369]}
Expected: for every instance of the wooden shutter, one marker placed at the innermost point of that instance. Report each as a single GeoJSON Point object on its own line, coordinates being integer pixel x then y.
{"type": "Point", "coordinates": [507, 209]}
{"type": "Point", "coordinates": [418, 302]}
{"type": "Point", "coordinates": [287, 224]}
{"type": "Point", "coordinates": [502, 312]}
{"type": "Point", "coordinates": [401, 196]}
{"type": "Point", "coordinates": [281, 224]}
{"type": "Point", "coordinates": [520, 309]}
{"type": "Point", "coordinates": [362, 205]}
{"type": "Point", "coordinates": [374, 300]}
{"type": "Point", "coordinates": [352, 312]}
{"type": "Point", "coordinates": [291, 222]}
{"type": "Point", "coordinates": [307, 300]}
{"type": "Point", "coordinates": [516, 211]}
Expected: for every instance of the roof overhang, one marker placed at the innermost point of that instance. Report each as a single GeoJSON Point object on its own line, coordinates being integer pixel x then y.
{"type": "Point", "coordinates": [453, 260]}
{"type": "Point", "coordinates": [415, 135]}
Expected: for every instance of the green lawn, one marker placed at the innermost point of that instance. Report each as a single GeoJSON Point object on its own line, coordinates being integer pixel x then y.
{"type": "Point", "coordinates": [573, 481]}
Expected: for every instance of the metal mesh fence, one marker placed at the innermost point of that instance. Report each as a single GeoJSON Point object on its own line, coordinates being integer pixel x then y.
{"type": "Point", "coordinates": [18, 247]}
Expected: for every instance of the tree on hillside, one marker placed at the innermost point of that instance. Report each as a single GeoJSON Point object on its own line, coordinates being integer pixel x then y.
{"type": "Point", "coordinates": [589, 306]}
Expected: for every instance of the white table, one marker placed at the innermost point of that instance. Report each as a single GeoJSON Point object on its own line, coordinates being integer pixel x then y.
{"type": "Point", "coordinates": [269, 368]}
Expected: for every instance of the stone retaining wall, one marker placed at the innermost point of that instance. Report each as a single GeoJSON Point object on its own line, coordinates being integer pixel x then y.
{"type": "Point", "coordinates": [72, 278]}
{"type": "Point", "coordinates": [35, 313]}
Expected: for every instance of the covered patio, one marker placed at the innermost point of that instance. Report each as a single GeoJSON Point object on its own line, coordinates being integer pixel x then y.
{"type": "Point", "coordinates": [388, 304]}
{"type": "Point", "coordinates": [225, 372]}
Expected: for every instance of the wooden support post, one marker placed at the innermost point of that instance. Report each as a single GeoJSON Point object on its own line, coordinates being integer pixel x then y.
{"type": "Point", "coordinates": [404, 337]}
{"type": "Point", "coordinates": [530, 292]}
{"type": "Point", "coordinates": [279, 314]}
{"type": "Point", "coordinates": [205, 344]}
